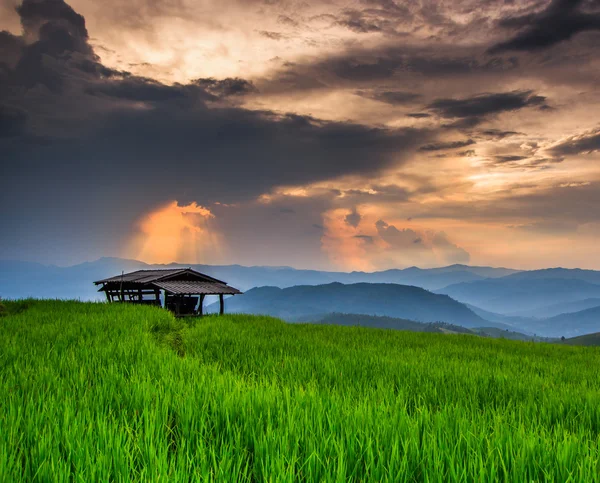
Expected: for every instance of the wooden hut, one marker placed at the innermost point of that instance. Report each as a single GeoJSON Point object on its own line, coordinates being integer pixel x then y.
{"type": "Point", "coordinates": [181, 290]}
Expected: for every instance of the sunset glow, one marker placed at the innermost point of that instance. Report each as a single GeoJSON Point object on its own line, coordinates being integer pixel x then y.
{"type": "Point", "coordinates": [176, 233]}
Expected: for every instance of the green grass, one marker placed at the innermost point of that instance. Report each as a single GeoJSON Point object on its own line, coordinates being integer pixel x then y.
{"type": "Point", "coordinates": [95, 392]}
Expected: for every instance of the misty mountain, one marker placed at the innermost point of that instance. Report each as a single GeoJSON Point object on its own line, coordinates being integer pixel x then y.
{"type": "Point", "coordinates": [591, 276]}
{"type": "Point", "coordinates": [430, 279]}
{"type": "Point", "coordinates": [494, 295]}
{"type": "Point", "coordinates": [513, 296]}
{"type": "Point", "coordinates": [389, 300]}
{"type": "Point", "coordinates": [558, 309]}
{"type": "Point", "coordinates": [565, 324]}
{"type": "Point", "coordinates": [586, 340]}
{"type": "Point", "coordinates": [509, 320]}
{"type": "Point", "coordinates": [25, 279]}
{"type": "Point", "coordinates": [573, 324]}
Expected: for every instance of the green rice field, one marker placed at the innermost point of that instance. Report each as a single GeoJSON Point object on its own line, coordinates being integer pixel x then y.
{"type": "Point", "coordinates": [94, 392]}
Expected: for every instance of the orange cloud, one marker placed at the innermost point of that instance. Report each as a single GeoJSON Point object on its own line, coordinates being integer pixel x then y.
{"type": "Point", "coordinates": [344, 248]}
{"type": "Point", "coordinates": [355, 241]}
{"type": "Point", "coordinates": [177, 233]}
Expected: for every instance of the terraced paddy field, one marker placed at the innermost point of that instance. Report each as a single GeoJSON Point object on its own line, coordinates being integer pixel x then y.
{"type": "Point", "coordinates": [97, 392]}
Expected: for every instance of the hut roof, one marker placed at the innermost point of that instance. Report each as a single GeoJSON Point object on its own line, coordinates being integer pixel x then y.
{"type": "Point", "coordinates": [150, 276]}
{"type": "Point", "coordinates": [185, 287]}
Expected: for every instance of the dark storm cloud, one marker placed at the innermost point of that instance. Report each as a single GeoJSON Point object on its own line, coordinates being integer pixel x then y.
{"type": "Point", "coordinates": [226, 87]}
{"type": "Point", "coordinates": [378, 16]}
{"type": "Point", "coordinates": [418, 115]}
{"type": "Point", "coordinates": [39, 14]}
{"type": "Point", "coordinates": [388, 7]}
{"type": "Point", "coordinates": [107, 145]}
{"type": "Point", "coordinates": [353, 218]}
{"type": "Point", "coordinates": [394, 69]}
{"type": "Point", "coordinates": [578, 203]}
{"type": "Point", "coordinates": [394, 98]}
{"type": "Point", "coordinates": [138, 89]}
{"type": "Point", "coordinates": [486, 104]}
{"type": "Point", "coordinates": [509, 158]}
{"type": "Point", "coordinates": [465, 123]}
{"type": "Point", "coordinates": [522, 162]}
{"type": "Point", "coordinates": [285, 20]}
{"type": "Point", "coordinates": [359, 23]}
{"type": "Point", "coordinates": [291, 81]}
{"type": "Point", "coordinates": [498, 134]}
{"type": "Point", "coordinates": [446, 145]}
{"type": "Point", "coordinates": [272, 35]}
{"type": "Point", "coordinates": [559, 21]}
{"type": "Point", "coordinates": [10, 49]}
{"type": "Point", "coordinates": [135, 88]}
{"type": "Point", "coordinates": [12, 121]}
{"type": "Point", "coordinates": [585, 143]}
{"type": "Point", "coordinates": [385, 63]}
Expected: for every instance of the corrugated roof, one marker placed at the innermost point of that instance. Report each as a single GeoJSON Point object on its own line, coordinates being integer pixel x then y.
{"type": "Point", "coordinates": [148, 276]}
{"type": "Point", "coordinates": [184, 287]}
{"type": "Point", "coordinates": [142, 276]}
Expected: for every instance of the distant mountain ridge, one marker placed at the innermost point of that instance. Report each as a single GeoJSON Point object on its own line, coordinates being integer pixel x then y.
{"type": "Point", "coordinates": [379, 299]}
{"type": "Point", "coordinates": [27, 279]}
{"type": "Point", "coordinates": [515, 296]}
{"type": "Point", "coordinates": [504, 298]}
{"type": "Point", "coordinates": [578, 323]}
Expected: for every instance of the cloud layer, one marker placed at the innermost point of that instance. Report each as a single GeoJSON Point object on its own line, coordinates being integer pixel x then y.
{"type": "Point", "coordinates": [364, 134]}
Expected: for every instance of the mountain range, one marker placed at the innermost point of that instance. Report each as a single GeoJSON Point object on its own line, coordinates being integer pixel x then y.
{"type": "Point", "coordinates": [551, 302]}
{"type": "Point", "coordinates": [24, 279]}
{"type": "Point", "coordinates": [380, 299]}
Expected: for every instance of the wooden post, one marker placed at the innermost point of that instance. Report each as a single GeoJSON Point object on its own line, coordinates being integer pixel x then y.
{"type": "Point", "coordinates": [221, 304]}
{"type": "Point", "coordinates": [200, 307]}
{"type": "Point", "coordinates": [107, 296]}
{"type": "Point", "coordinates": [122, 297]}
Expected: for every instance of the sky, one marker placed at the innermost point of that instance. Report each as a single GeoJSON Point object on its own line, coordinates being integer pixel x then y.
{"type": "Point", "coordinates": [333, 135]}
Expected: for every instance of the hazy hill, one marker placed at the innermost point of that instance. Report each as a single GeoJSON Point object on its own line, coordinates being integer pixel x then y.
{"type": "Point", "coordinates": [588, 340]}
{"type": "Point", "coordinates": [497, 333]}
{"type": "Point", "coordinates": [430, 279]}
{"type": "Point", "coordinates": [512, 296]}
{"type": "Point", "coordinates": [591, 276]}
{"type": "Point", "coordinates": [495, 299]}
{"type": "Point", "coordinates": [25, 279]}
{"type": "Point", "coordinates": [557, 309]}
{"type": "Point", "coordinates": [390, 300]}
{"type": "Point", "coordinates": [510, 320]}
{"type": "Point", "coordinates": [573, 324]}
{"type": "Point", "coordinates": [567, 324]}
